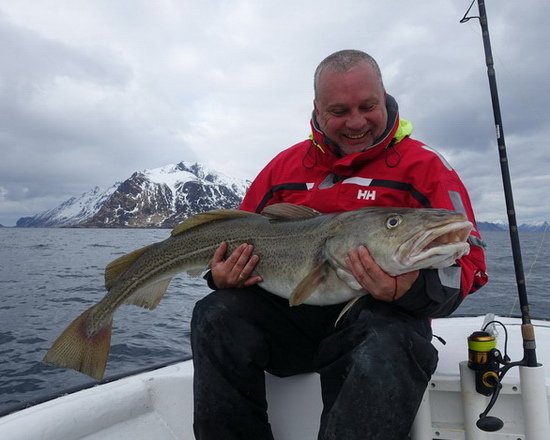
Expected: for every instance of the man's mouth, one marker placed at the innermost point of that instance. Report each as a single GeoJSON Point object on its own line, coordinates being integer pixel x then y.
{"type": "Point", "coordinates": [355, 136]}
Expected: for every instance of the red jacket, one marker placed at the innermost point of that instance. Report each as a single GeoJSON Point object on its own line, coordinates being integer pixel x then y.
{"type": "Point", "coordinates": [397, 171]}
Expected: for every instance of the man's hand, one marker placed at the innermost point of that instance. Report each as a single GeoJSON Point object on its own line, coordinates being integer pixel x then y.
{"type": "Point", "coordinates": [236, 270]}
{"type": "Point", "coordinates": [374, 280]}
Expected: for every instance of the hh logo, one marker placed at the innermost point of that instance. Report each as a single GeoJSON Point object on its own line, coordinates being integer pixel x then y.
{"type": "Point", "coordinates": [366, 195]}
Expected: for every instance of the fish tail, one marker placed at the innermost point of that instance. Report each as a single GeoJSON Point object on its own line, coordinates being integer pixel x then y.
{"type": "Point", "coordinates": [75, 348]}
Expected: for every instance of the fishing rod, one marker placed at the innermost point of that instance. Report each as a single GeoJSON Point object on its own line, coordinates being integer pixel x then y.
{"type": "Point", "coordinates": [490, 371]}
{"type": "Point", "coordinates": [527, 329]}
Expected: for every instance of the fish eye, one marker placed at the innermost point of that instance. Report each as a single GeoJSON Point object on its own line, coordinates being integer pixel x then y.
{"type": "Point", "coordinates": [393, 221]}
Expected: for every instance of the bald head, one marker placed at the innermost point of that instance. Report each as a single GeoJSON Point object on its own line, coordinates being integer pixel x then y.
{"type": "Point", "coordinates": [343, 61]}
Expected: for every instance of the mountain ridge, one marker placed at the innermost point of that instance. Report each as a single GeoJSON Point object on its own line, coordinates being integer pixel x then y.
{"type": "Point", "coordinates": [160, 197]}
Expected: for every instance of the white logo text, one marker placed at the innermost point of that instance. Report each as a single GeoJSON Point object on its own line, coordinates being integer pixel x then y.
{"type": "Point", "coordinates": [366, 195]}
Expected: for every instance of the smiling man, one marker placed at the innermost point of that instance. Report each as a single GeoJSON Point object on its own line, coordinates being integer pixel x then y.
{"type": "Point", "coordinates": [376, 359]}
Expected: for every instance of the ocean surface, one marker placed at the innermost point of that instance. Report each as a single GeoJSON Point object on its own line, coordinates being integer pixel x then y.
{"type": "Point", "coordinates": [49, 276]}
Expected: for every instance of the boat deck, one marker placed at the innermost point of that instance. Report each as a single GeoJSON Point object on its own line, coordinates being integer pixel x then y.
{"type": "Point", "coordinates": [159, 405]}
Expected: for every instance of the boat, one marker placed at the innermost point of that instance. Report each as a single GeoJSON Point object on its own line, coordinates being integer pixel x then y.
{"type": "Point", "coordinates": [477, 391]}
{"type": "Point", "coordinates": [158, 404]}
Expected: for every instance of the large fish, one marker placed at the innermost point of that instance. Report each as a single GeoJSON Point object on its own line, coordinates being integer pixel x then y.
{"type": "Point", "coordinates": [302, 257]}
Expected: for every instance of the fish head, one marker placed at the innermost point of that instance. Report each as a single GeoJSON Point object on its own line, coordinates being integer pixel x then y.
{"type": "Point", "coordinates": [437, 240]}
{"type": "Point", "coordinates": [403, 240]}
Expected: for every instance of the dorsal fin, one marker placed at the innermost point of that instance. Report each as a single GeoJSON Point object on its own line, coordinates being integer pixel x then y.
{"type": "Point", "coordinates": [117, 267]}
{"type": "Point", "coordinates": [289, 211]}
{"type": "Point", "coordinates": [207, 217]}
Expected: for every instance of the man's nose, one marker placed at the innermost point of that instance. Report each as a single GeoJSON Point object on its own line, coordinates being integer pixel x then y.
{"type": "Point", "coordinates": [355, 120]}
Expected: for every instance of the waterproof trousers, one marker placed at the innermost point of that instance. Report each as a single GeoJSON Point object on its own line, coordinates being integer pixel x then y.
{"type": "Point", "coordinates": [374, 366]}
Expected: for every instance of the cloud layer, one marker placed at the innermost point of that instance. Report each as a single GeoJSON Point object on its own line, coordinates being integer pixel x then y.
{"type": "Point", "coordinates": [92, 91]}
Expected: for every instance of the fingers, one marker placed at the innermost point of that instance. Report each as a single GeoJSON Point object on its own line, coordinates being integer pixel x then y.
{"type": "Point", "coordinates": [243, 263]}
{"type": "Point", "coordinates": [363, 267]}
{"type": "Point", "coordinates": [219, 254]}
{"type": "Point", "coordinates": [370, 276]}
{"type": "Point", "coordinates": [237, 269]}
{"type": "Point", "coordinates": [239, 258]}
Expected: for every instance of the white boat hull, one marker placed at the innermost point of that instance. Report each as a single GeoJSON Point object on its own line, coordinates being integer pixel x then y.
{"type": "Point", "coordinates": [159, 404]}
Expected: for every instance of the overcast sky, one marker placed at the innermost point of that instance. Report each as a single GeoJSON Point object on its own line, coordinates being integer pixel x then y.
{"type": "Point", "coordinates": [93, 90]}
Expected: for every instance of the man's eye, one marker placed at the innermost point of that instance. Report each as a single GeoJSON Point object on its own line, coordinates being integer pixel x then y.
{"type": "Point", "coordinates": [338, 112]}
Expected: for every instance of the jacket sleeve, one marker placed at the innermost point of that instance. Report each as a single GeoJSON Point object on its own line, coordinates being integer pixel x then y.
{"type": "Point", "coordinates": [429, 296]}
{"type": "Point", "coordinates": [438, 292]}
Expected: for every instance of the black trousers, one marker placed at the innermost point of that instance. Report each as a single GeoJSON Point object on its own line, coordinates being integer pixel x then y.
{"type": "Point", "coordinates": [374, 366]}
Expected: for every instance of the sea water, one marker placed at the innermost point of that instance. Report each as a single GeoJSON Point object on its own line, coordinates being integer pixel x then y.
{"type": "Point", "coordinates": [49, 276]}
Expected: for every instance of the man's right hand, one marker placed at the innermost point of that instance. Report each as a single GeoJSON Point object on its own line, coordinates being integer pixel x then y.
{"type": "Point", "coordinates": [235, 270]}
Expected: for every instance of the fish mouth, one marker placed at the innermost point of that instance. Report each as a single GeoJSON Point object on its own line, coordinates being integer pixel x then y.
{"type": "Point", "coordinates": [437, 247]}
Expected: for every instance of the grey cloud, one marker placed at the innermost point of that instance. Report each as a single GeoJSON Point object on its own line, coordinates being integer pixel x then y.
{"type": "Point", "coordinates": [230, 84]}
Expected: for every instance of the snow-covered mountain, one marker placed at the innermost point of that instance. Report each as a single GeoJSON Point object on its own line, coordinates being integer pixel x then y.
{"type": "Point", "coordinates": [160, 197]}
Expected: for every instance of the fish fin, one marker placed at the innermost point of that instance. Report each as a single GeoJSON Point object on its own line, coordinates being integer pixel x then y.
{"type": "Point", "coordinates": [149, 296]}
{"type": "Point", "coordinates": [75, 349]}
{"type": "Point", "coordinates": [207, 217]}
{"type": "Point", "coordinates": [307, 286]}
{"type": "Point", "coordinates": [197, 272]}
{"type": "Point", "coordinates": [346, 308]}
{"type": "Point", "coordinates": [289, 211]}
{"type": "Point", "coordinates": [117, 267]}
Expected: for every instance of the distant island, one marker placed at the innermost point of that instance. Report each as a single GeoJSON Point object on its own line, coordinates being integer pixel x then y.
{"type": "Point", "coordinates": [503, 227]}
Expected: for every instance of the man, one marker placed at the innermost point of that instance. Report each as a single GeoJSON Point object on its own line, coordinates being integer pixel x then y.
{"type": "Point", "coordinates": [376, 363]}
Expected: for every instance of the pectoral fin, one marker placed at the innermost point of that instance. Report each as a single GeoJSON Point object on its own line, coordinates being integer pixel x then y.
{"type": "Point", "coordinates": [309, 284]}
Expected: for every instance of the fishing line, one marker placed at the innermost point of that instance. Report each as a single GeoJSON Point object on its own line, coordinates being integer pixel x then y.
{"type": "Point", "coordinates": [538, 250]}
{"type": "Point", "coordinates": [535, 260]}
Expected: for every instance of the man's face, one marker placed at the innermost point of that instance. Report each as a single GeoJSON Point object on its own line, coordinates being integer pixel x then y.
{"type": "Point", "coordinates": [351, 107]}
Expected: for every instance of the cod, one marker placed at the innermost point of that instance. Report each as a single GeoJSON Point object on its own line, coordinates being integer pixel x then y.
{"type": "Point", "coordinates": [302, 258]}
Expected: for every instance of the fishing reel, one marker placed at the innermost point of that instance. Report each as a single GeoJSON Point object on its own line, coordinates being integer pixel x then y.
{"type": "Point", "coordinates": [489, 366]}
{"type": "Point", "coordinates": [482, 358]}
